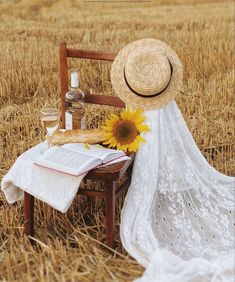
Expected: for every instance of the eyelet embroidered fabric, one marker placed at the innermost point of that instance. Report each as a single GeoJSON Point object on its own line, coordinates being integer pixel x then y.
{"type": "Point", "coordinates": [178, 216]}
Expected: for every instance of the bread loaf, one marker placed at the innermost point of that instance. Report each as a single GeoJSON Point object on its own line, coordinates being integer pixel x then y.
{"type": "Point", "coordinates": [90, 136]}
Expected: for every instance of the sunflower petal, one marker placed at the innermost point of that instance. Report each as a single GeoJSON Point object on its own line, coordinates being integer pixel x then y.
{"type": "Point", "coordinates": [141, 139]}
{"type": "Point", "coordinates": [138, 113]}
{"type": "Point", "coordinates": [124, 114]}
{"type": "Point", "coordinates": [142, 128]}
{"type": "Point", "coordinates": [106, 127]}
{"type": "Point", "coordinates": [106, 142]}
{"type": "Point", "coordinates": [111, 116]}
{"type": "Point", "coordinates": [114, 119]}
{"type": "Point", "coordinates": [127, 116]}
{"type": "Point", "coordinates": [140, 119]}
{"type": "Point", "coordinates": [119, 146]}
{"type": "Point", "coordinates": [87, 146]}
{"type": "Point", "coordinates": [108, 135]}
{"type": "Point", "coordinates": [124, 147]}
{"type": "Point", "coordinates": [133, 146]}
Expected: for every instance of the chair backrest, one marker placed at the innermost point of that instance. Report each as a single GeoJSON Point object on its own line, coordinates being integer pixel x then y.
{"type": "Point", "coordinates": [65, 53]}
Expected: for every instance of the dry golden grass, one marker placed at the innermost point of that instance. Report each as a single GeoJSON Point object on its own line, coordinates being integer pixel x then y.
{"type": "Point", "coordinates": [69, 246]}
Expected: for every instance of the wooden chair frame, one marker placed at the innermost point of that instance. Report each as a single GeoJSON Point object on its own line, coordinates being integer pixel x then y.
{"type": "Point", "coordinates": [109, 174]}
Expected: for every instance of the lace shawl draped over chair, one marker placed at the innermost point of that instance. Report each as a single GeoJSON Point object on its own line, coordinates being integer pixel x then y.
{"type": "Point", "coordinates": [178, 216]}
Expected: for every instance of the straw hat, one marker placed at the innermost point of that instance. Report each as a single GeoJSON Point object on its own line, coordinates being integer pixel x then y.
{"type": "Point", "coordinates": [147, 74]}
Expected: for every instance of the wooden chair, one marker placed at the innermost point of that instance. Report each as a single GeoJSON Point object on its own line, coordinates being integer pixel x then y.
{"type": "Point", "coordinates": [109, 174]}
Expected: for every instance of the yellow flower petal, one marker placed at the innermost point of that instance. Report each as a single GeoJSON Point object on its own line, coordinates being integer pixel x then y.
{"type": "Point", "coordinates": [141, 139]}
{"type": "Point", "coordinates": [108, 135]}
{"type": "Point", "coordinates": [134, 146]}
{"type": "Point", "coordinates": [87, 146]}
{"type": "Point", "coordinates": [139, 112]}
{"type": "Point", "coordinates": [106, 127]}
{"type": "Point", "coordinates": [119, 129]}
{"type": "Point", "coordinates": [126, 114]}
{"type": "Point", "coordinates": [142, 128]}
{"type": "Point", "coordinates": [123, 114]}
{"type": "Point", "coordinates": [140, 119]}
{"type": "Point", "coordinates": [113, 141]}
{"type": "Point", "coordinates": [98, 146]}
{"type": "Point", "coordinates": [124, 147]}
{"type": "Point", "coordinates": [119, 146]}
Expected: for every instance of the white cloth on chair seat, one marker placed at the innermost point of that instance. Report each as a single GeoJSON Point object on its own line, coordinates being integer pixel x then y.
{"type": "Point", "coordinates": [54, 188]}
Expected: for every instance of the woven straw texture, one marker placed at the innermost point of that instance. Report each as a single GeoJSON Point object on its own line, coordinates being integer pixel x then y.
{"type": "Point", "coordinates": [145, 65]}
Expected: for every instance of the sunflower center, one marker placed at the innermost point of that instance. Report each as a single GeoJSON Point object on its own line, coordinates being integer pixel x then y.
{"type": "Point", "coordinates": [125, 132]}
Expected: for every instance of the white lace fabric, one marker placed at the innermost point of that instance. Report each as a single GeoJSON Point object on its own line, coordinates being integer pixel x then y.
{"type": "Point", "coordinates": [178, 216]}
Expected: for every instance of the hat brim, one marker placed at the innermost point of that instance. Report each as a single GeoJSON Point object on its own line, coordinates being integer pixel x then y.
{"type": "Point", "coordinates": [123, 91]}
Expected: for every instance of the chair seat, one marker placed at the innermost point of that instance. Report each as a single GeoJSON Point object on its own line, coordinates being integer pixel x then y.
{"type": "Point", "coordinates": [110, 172]}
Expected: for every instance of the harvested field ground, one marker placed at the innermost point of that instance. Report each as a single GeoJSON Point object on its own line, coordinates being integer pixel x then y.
{"type": "Point", "coordinates": [69, 246]}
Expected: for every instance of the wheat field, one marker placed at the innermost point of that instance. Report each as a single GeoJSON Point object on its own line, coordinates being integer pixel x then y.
{"type": "Point", "coordinates": [71, 247]}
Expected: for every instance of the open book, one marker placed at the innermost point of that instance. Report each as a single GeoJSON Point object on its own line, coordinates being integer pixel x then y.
{"type": "Point", "coordinates": [76, 160]}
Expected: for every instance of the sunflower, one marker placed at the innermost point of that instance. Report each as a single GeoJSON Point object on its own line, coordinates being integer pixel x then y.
{"type": "Point", "coordinates": [123, 131]}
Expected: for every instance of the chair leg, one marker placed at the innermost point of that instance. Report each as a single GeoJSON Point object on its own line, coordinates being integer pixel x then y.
{"type": "Point", "coordinates": [28, 214]}
{"type": "Point", "coordinates": [110, 212]}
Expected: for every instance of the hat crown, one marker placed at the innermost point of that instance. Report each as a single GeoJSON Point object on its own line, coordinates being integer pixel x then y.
{"type": "Point", "coordinates": [147, 72]}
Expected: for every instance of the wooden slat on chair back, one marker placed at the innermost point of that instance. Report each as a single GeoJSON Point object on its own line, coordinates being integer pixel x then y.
{"type": "Point", "coordinates": [89, 98]}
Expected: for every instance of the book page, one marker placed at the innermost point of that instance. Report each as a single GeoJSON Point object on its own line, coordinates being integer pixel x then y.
{"type": "Point", "coordinates": [118, 160]}
{"type": "Point", "coordinates": [96, 151]}
{"type": "Point", "coordinates": [67, 161]}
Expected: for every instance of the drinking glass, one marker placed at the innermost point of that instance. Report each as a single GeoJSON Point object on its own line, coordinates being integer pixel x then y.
{"type": "Point", "coordinates": [50, 121]}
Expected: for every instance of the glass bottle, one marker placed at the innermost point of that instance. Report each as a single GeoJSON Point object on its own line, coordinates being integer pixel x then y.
{"type": "Point", "coordinates": [75, 117]}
